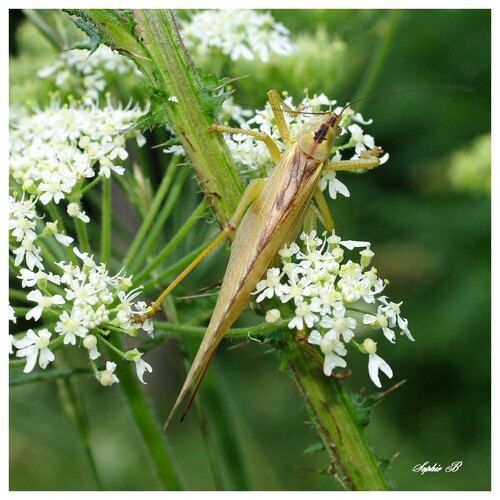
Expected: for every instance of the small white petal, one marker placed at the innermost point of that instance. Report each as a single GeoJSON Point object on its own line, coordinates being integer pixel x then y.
{"type": "Point", "coordinates": [315, 337]}
{"type": "Point", "coordinates": [389, 334]}
{"type": "Point", "coordinates": [369, 319]}
{"type": "Point", "coordinates": [351, 244]}
{"type": "Point", "coordinates": [332, 361]}
{"type": "Point", "coordinates": [376, 363]}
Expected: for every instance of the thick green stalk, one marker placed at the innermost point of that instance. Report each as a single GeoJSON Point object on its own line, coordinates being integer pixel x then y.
{"type": "Point", "coordinates": [150, 38]}
{"type": "Point", "coordinates": [208, 153]}
{"type": "Point", "coordinates": [333, 415]}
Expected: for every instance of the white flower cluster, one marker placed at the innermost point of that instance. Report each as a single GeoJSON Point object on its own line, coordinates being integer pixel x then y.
{"type": "Point", "coordinates": [237, 33]}
{"type": "Point", "coordinates": [252, 155]}
{"type": "Point", "coordinates": [54, 153]}
{"type": "Point", "coordinates": [54, 150]}
{"type": "Point", "coordinates": [82, 299]}
{"type": "Point", "coordinates": [79, 67]}
{"type": "Point", "coordinates": [333, 299]}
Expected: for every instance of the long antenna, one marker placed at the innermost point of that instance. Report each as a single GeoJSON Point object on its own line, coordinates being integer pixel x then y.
{"type": "Point", "coordinates": [458, 88]}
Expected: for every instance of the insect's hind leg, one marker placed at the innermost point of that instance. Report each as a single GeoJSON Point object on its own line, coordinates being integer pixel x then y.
{"type": "Point", "coordinates": [252, 191]}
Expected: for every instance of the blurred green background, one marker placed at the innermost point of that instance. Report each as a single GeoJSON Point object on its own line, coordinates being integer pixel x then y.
{"type": "Point", "coordinates": [431, 238]}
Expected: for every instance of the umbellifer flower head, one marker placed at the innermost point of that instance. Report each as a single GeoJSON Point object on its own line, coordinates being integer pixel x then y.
{"type": "Point", "coordinates": [335, 298]}
{"type": "Point", "coordinates": [237, 33]}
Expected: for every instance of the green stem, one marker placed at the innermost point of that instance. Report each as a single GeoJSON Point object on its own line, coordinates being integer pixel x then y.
{"type": "Point", "coordinates": [48, 375]}
{"type": "Point", "coordinates": [263, 330]}
{"type": "Point", "coordinates": [42, 20]}
{"type": "Point", "coordinates": [333, 415]}
{"type": "Point", "coordinates": [90, 185]}
{"type": "Point", "coordinates": [378, 59]}
{"type": "Point", "coordinates": [173, 243]}
{"type": "Point", "coordinates": [75, 411]}
{"type": "Point", "coordinates": [152, 212]}
{"type": "Point", "coordinates": [159, 225]}
{"type": "Point", "coordinates": [110, 346]}
{"type": "Point", "coordinates": [175, 268]}
{"type": "Point", "coordinates": [56, 216]}
{"type": "Point", "coordinates": [106, 220]}
{"type": "Point", "coordinates": [146, 422]}
{"type": "Point", "coordinates": [81, 231]}
{"type": "Point", "coordinates": [18, 295]}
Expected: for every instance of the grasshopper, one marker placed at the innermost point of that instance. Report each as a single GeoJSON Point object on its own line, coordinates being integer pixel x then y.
{"type": "Point", "coordinates": [269, 215]}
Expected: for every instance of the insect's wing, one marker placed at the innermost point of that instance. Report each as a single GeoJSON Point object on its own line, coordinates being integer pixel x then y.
{"type": "Point", "coordinates": [196, 373]}
{"type": "Point", "coordinates": [266, 226]}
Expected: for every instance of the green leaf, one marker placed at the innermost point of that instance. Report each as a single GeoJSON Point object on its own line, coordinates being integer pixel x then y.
{"type": "Point", "coordinates": [314, 448]}
{"type": "Point", "coordinates": [95, 38]}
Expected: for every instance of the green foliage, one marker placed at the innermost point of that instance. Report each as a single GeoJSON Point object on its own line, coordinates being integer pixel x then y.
{"type": "Point", "coordinates": [94, 37]}
{"type": "Point", "coordinates": [88, 25]}
{"type": "Point", "coordinates": [470, 167]}
{"type": "Point", "coordinates": [212, 94]}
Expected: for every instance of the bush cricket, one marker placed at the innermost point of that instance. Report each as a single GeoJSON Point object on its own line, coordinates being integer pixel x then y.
{"type": "Point", "coordinates": [269, 215]}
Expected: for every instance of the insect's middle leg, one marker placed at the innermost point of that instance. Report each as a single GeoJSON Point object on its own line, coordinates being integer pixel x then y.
{"type": "Point", "coordinates": [277, 106]}
{"type": "Point", "coordinates": [274, 152]}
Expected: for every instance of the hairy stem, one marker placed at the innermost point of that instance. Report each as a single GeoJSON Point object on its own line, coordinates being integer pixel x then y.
{"type": "Point", "coordinates": [333, 415]}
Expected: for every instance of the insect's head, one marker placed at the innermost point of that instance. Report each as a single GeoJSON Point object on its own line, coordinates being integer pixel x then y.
{"type": "Point", "coordinates": [318, 135]}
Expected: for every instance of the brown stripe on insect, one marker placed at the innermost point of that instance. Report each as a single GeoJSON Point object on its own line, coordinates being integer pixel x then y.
{"type": "Point", "coordinates": [322, 132]}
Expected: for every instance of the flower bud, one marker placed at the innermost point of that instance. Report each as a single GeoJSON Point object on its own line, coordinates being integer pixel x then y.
{"type": "Point", "coordinates": [370, 346]}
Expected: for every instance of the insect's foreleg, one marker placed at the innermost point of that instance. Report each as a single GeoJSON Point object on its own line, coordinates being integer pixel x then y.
{"type": "Point", "coordinates": [268, 141]}
{"type": "Point", "coordinates": [277, 105]}
{"type": "Point", "coordinates": [366, 161]}
{"type": "Point", "coordinates": [252, 191]}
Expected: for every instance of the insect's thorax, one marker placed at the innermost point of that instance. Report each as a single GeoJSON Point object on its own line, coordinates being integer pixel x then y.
{"type": "Point", "coordinates": [318, 135]}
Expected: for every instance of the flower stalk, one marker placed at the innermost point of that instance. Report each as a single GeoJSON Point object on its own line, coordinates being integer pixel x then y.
{"type": "Point", "coordinates": [146, 423]}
